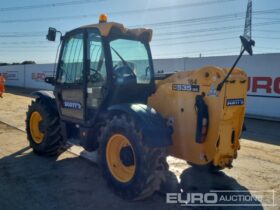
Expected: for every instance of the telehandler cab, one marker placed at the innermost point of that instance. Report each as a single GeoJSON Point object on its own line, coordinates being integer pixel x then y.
{"type": "Point", "coordinates": [107, 96]}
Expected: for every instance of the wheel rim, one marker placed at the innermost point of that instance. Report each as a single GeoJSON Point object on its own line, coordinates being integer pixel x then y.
{"type": "Point", "coordinates": [116, 166]}
{"type": "Point", "coordinates": [36, 133]}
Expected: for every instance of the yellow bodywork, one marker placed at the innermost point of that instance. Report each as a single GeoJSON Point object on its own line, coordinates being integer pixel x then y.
{"type": "Point", "coordinates": [225, 122]}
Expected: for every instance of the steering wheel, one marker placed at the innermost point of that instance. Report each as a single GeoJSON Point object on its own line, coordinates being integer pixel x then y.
{"type": "Point", "coordinates": [96, 76]}
{"type": "Point", "coordinates": [123, 71]}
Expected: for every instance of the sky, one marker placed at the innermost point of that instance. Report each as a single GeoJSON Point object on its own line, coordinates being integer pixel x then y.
{"type": "Point", "coordinates": [182, 28]}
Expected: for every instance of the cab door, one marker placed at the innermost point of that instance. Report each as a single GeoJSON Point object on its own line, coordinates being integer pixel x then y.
{"type": "Point", "coordinates": [97, 84]}
{"type": "Point", "coordinates": [70, 88]}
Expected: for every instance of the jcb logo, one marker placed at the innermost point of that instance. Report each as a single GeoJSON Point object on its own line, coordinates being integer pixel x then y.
{"type": "Point", "coordinates": [268, 84]}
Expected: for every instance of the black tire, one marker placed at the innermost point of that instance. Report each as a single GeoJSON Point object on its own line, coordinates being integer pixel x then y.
{"type": "Point", "coordinates": [148, 162]}
{"type": "Point", "coordinates": [52, 142]}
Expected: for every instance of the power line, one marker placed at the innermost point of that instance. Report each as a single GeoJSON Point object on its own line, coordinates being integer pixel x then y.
{"type": "Point", "coordinates": [79, 2]}
{"type": "Point", "coordinates": [154, 43]}
{"type": "Point", "coordinates": [205, 54]}
{"type": "Point", "coordinates": [18, 36]}
{"type": "Point", "coordinates": [267, 31]}
{"type": "Point", "coordinates": [191, 42]}
{"type": "Point", "coordinates": [200, 51]}
{"type": "Point", "coordinates": [49, 5]}
{"type": "Point", "coordinates": [265, 18]}
{"type": "Point", "coordinates": [215, 29]}
{"type": "Point", "coordinates": [197, 20]}
{"type": "Point", "coordinates": [267, 37]}
{"type": "Point", "coordinates": [161, 33]}
{"type": "Point", "coordinates": [35, 46]}
{"type": "Point", "coordinates": [70, 17]}
{"type": "Point", "coordinates": [194, 20]}
{"type": "Point", "coordinates": [218, 28]}
{"type": "Point", "coordinates": [269, 48]}
{"type": "Point", "coordinates": [189, 21]}
{"type": "Point", "coordinates": [224, 30]}
{"type": "Point", "coordinates": [191, 37]}
{"type": "Point", "coordinates": [23, 43]}
{"type": "Point", "coordinates": [121, 13]}
{"type": "Point", "coordinates": [220, 18]}
{"type": "Point", "coordinates": [214, 50]}
{"type": "Point", "coordinates": [38, 34]}
{"type": "Point", "coordinates": [198, 33]}
{"type": "Point", "coordinates": [177, 33]}
{"type": "Point", "coordinates": [179, 36]}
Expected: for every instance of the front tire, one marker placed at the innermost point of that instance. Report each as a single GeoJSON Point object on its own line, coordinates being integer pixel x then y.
{"type": "Point", "coordinates": [43, 129]}
{"type": "Point", "coordinates": [131, 168]}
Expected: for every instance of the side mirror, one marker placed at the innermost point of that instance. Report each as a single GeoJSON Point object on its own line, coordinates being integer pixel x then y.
{"type": "Point", "coordinates": [247, 44]}
{"type": "Point", "coordinates": [51, 34]}
{"type": "Point", "coordinates": [50, 80]}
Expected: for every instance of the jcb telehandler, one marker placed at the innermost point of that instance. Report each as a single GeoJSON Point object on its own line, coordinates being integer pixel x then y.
{"type": "Point", "coordinates": [107, 96]}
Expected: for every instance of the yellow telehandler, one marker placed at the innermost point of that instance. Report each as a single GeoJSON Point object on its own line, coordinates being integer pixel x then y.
{"type": "Point", "coordinates": [106, 95]}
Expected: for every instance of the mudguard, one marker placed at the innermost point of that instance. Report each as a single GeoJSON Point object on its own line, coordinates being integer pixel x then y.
{"type": "Point", "coordinates": [154, 127]}
{"type": "Point", "coordinates": [47, 97]}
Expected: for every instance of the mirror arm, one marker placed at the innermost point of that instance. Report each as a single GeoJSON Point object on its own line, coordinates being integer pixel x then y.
{"type": "Point", "coordinates": [220, 86]}
{"type": "Point", "coordinates": [61, 36]}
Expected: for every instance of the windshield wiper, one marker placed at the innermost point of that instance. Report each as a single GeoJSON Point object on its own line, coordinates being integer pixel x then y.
{"type": "Point", "coordinates": [124, 62]}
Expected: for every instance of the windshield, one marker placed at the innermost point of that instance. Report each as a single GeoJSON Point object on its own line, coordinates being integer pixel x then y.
{"type": "Point", "coordinates": [130, 60]}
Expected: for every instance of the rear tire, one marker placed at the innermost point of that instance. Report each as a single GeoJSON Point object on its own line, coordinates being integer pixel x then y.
{"type": "Point", "coordinates": [43, 129]}
{"type": "Point", "coordinates": [131, 168]}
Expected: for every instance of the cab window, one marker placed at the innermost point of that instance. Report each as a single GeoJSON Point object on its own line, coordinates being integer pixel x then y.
{"type": "Point", "coordinates": [130, 61]}
{"type": "Point", "coordinates": [72, 61]}
{"type": "Point", "coordinates": [97, 75]}
{"type": "Point", "coordinates": [97, 72]}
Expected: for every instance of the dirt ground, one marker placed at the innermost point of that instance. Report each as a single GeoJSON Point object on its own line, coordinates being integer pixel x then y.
{"type": "Point", "coordinates": [28, 181]}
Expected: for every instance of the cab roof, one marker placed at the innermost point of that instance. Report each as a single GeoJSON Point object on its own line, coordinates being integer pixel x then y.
{"type": "Point", "coordinates": [108, 27]}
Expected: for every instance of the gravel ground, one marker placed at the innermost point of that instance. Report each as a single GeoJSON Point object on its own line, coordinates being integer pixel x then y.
{"type": "Point", "coordinates": [28, 181]}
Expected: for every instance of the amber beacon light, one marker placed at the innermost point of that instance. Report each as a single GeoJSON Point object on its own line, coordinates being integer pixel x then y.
{"type": "Point", "coordinates": [103, 18]}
